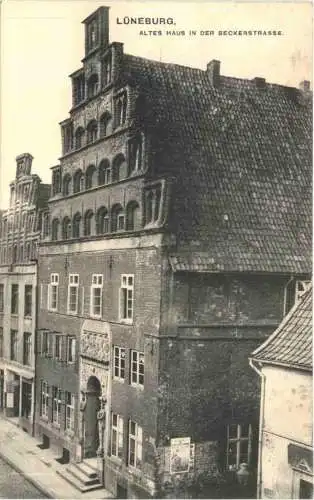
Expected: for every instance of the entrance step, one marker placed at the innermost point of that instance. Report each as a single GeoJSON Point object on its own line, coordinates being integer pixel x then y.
{"type": "Point", "coordinates": [82, 476]}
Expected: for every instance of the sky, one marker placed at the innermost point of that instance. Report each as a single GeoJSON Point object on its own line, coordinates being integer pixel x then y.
{"type": "Point", "coordinates": [42, 42]}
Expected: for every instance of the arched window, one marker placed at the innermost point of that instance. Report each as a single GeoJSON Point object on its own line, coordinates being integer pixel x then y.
{"type": "Point", "coordinates": [55, 229]}
{"type": "Point", "coordinates": [120, 109]}
{"type": "Point", "coordinates": [77, 181]}
{"type": "Point", "coordinates": [152, 204]}
{"type": "Point", "coordinates": [79, 134]}
{"type": "Point", "coordinates": [117, 218]}
{"type": "Point", "coordinates": [102, 221]}
{"type": "Point", "coordinates": [92, 85]}
{"type": "Point", "coordinates": [76, 226]}
{"type": "Point", "coordinates": [66, 181]}
{"type": "Point", "coordinates": [132, 216]}
{"type": "Point", "coordinates": [92, 131]}
{"type": "Point", "coordinates": [118, 168]}
{"type": "Point", "coordinates": [46, 226]}
{"type": "Point", "coordinates": [66, 228]}
{"type": "Point", "coordinates": [88, 217]}
{"type": "Point", "coordinates": [104, 124]}
{"type": "Point", "coordinates": [56, 182]}
{"type": "Point", "coordinates": [135, 154]}
{"type": "Point", "coordinates": [104, 172]}
{"type": "Point", "coordinates": [89, 175]}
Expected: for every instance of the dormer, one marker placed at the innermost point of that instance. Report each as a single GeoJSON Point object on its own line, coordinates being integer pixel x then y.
{"type": "Point", "coordinates": [96, 30]}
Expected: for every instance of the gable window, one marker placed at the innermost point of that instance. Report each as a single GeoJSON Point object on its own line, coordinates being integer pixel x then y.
{"type": "Point", "coordinates": [119, 362]}
{"type": "Point", "coordinates": [79, 134]}
{"type": "Point", "coordinates": [1, 298]}
{"type": "Point", "coordinates": [69, 411]}
{"type": "Point", "coordinates": [239, 446]}
{"type": "Point", "coordinates": [76, 226]}
{"type": "Point", "coordinates": [53, 292]}
{"type": "Point", "coordinates": [27, 345]}
{"type": "Point", "coordinates": [92, 35]}
{"type": "Point", "coordinates": [96, 295]}
{"type": "Point", "coordinates": [104, 124]}
{"type": "Point", "coordinates": [137, 368]}
{"type": "Point", "coordinates": [135, 154]}
{"type": "Point", "coordinates": [78, 89]}
{"type": "Point", "coordinates": [126, 297]}
{"type": "Point", "coordinates": [44, 400]}
{"type": "Point", "coordinates": [13, 345]}
{"type": "Point", "coordinates": [54, 232]}
{"type": "Point", "coordinates": [116, 435]}
{"type": "Point", "coordinates": [66, 228]}
{"type": "Point", "coordinates": [92, 131]}
{"type": "Point", "coordinates": [106, 70]}
{"type": "Point", "coordinates": [88, 223]}
{"type": "Point", "coordinates": [120, 109]}
{"type": "Point", "coordinates": [14, 299]}
{"type": "Point", "coordinates": [56, 182]}
{"type": "Point", "coordinates": [67, 132]}
{"type": "Point", "coordinates": [92, 85]}
{"type": "Point", "coordinates": [71, 349]}
{"type": "Point", "coordinates": [28, 300]}
{"type": "Point", "coordinates": [152, 204]}
{"type": "Point", "coordinates": [56, 405]}
{"type": "Point", "coordinates": [73, 288]}
{"type": "Point", "coordinates": [135, 445]}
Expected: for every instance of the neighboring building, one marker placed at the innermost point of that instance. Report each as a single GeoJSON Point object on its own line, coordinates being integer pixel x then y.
{"type": "Point", "coordinates": [20, 231]}
{"type": "Point", "coordinates": [180, 227]}
{"type": "Point", "coordinates": [285, 364]}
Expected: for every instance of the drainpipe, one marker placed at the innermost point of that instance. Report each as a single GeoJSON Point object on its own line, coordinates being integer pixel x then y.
{"type": "Point", "coordinates": [35, 344]}
{"type": "Point", "coordinates": [260, 431]}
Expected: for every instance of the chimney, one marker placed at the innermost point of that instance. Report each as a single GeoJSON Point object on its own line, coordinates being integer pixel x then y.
{"type": "Point", "coordinates": [213, 71]}
{"type": "Point", "coordinates": [305, 85]}
{"type": "Point", "coordinates": [260, 82]}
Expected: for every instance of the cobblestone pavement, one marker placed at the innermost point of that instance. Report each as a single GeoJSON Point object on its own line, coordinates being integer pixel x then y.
{"type": "Point", "coordinates": [14, 485]}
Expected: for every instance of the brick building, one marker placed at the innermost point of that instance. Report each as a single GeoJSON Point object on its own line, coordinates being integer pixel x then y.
{"type": "Point", "coordinates": [180, 227]}
{"type": "Point", "coordinates": [20, 231]}
{"type": "Point", "coordinates": [285, 364]}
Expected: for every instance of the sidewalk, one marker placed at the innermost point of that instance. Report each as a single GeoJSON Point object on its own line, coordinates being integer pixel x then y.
{"type": "Point", "coordinates": [20, 450]}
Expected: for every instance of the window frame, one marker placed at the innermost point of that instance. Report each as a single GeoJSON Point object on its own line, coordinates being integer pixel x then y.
{"type": "Point", "coordinates": [56, 406]}
{"type": "Point", "coordinates": [73, 283]}
{"type": "Point", "coordinates": [125, 290]}
{"type": "Point", "coordinates": [57, 346]}
{"type": "Point", "coordinates": [135, 362]}
{"type": "Point", "coordinates": [97, 284]}
{"type": "Point", "coordinates": [13, 344]}
{"type": "Point", "coordinates": [71, 350]}
{"type": "Point", "coordinates": [118, 357]}
{"type": "Point", "coordinates": [28, 292]}
{"type": "Point", "coordinates": [70, 413]}
{"type": "Point", "coordinates": [117, 436]}
{"type": "Point", "coordinates": [240, 438]}
{"type": "Point", "coordinates": [27, 348]}
{"type": "Point", "coordinates": [138, 444]}
{"type": "Point", "coordinates": [44, 400]}
{"type": "Point", "coordinates": [53, 288]}
{"type": "Point", "coordinates": [15, 310]}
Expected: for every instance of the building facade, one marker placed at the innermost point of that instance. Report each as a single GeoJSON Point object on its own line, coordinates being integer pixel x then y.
{"type": "Point", "coordinates": [21, 227]}
{"type": "Point", "coordinates": [285, 364]}
{"type": "Point", "coordinates": [179, 236]}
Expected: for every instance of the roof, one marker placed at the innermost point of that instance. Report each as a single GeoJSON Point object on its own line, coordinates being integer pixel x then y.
{"type": "Point", "coordinates": [291, 344]}
{"type": "Point", "coordinates": [239, 155]}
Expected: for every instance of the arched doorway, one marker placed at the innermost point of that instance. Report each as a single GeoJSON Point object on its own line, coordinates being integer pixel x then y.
{"type": "Point", "coordinates": [93, 392]}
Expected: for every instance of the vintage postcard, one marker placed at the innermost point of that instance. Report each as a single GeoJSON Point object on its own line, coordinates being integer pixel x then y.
{"type": "Point", "coordinates": [156, 249]}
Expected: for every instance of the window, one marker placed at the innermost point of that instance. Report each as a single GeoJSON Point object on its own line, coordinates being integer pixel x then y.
{"type": "Point", "coordinates": [66, 185]}
{"type": "Point", "coordinates": [92, 35]}
{"type": "Point", "coordinates": [57, 354]}
{"type": "Point", "coordinates": [88, 217]}
{"type": "Point", "coordinates": [120, 109]}
{"type": "Point", "coordinates": [46, 225]}
{"type": "Point", "coordinates": [27, 345]}
{"type": "Point", "coordinates": [67, 132]}
{"type": "Point", "coordinates": [137, 368]}
{"type": "Point", "coordinates": [44, 402]}
{"type": "Point", "coordinates": [152, 204]}
{"type": "Point", "coordinates": [118, 168]}
{"type": "Point", "coordinates": [96, 295]}
{"type": "Point", "coordinates": [73, 293]}
{"type": "Point", "coordinates": [135, 154]}
{"type": "Point", "coordinates": [135, 445]}
{"type": "Point", "coordinates": [120, 222]}
{"type": "Point", "coordinates": [14, 299]}
{"type": "Point", "coordinates": [56, 405]}
{"type": "Point", "coordinates": [102, 221]}
{"type": "Point", "coordinates": [53, 292]}
{"type": "Point", "coordinates": [76, 225]}
{"type": "Point", "coordinates": [26, 399]}
{"type": "Point", "coordinates": [92, 85]}
{"type": "Point", "coordinates": [119, 362]}
{"type": "Point", "coordinates": [1, 342]}
{"type": "Point", "coordinates": [78, 89]}
{"type": "Point", "coordinates": [117, 218]}
{"type": "Point", "coordinates": [104, 172]}
{"type": "Point", "coordinates": [71, 350]}
{"type": "Point", "coordinates": [239, 446]}
{"type": "Point", "coordinates": [106, 70]}
{"type": "Point", "coordinates": [1, 297]}
{"type": "Point", "coordinates": [69, 412]}
{"type": "Point", "coordinates": [13, 345]}
{"type": "Point", "coordinates": [14, 258]}
{"type": "Point", "coordinates": [28, 300]}
{"type": "Point", "coordinates": [305, 489]}
{"type": "Point", "coordinates": [126, 297]}
{"type": "Point", "coordinates": [132, 216]}
{"type": "Point", "coordinates": [300, 288]}
{"type": "Point", "coordinates": [92, 131]}
{"type": "Point", "coordinates": [44, 343]}
{"type": "Point", "coordinates": [116, 435]}
{"type": "Point", "coordinates": [54, 230]}
{"type": "Point", "coordinates": [56, 182]}
{"type": "Point", "coordinates": [104, 124]}
{"type": "Point", "coordinates": [79, 134]}
{"type": "Point", "coordinates": [91, 169]}
{"type": "Point", "coordinates": [77, 181]}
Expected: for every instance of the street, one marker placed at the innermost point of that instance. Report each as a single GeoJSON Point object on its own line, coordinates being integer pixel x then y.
{"type": "Point", "coordinates": [14, 485]}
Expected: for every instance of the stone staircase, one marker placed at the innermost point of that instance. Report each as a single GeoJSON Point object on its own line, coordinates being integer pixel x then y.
{"type": "Point", "coordinates": [83, 475]}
